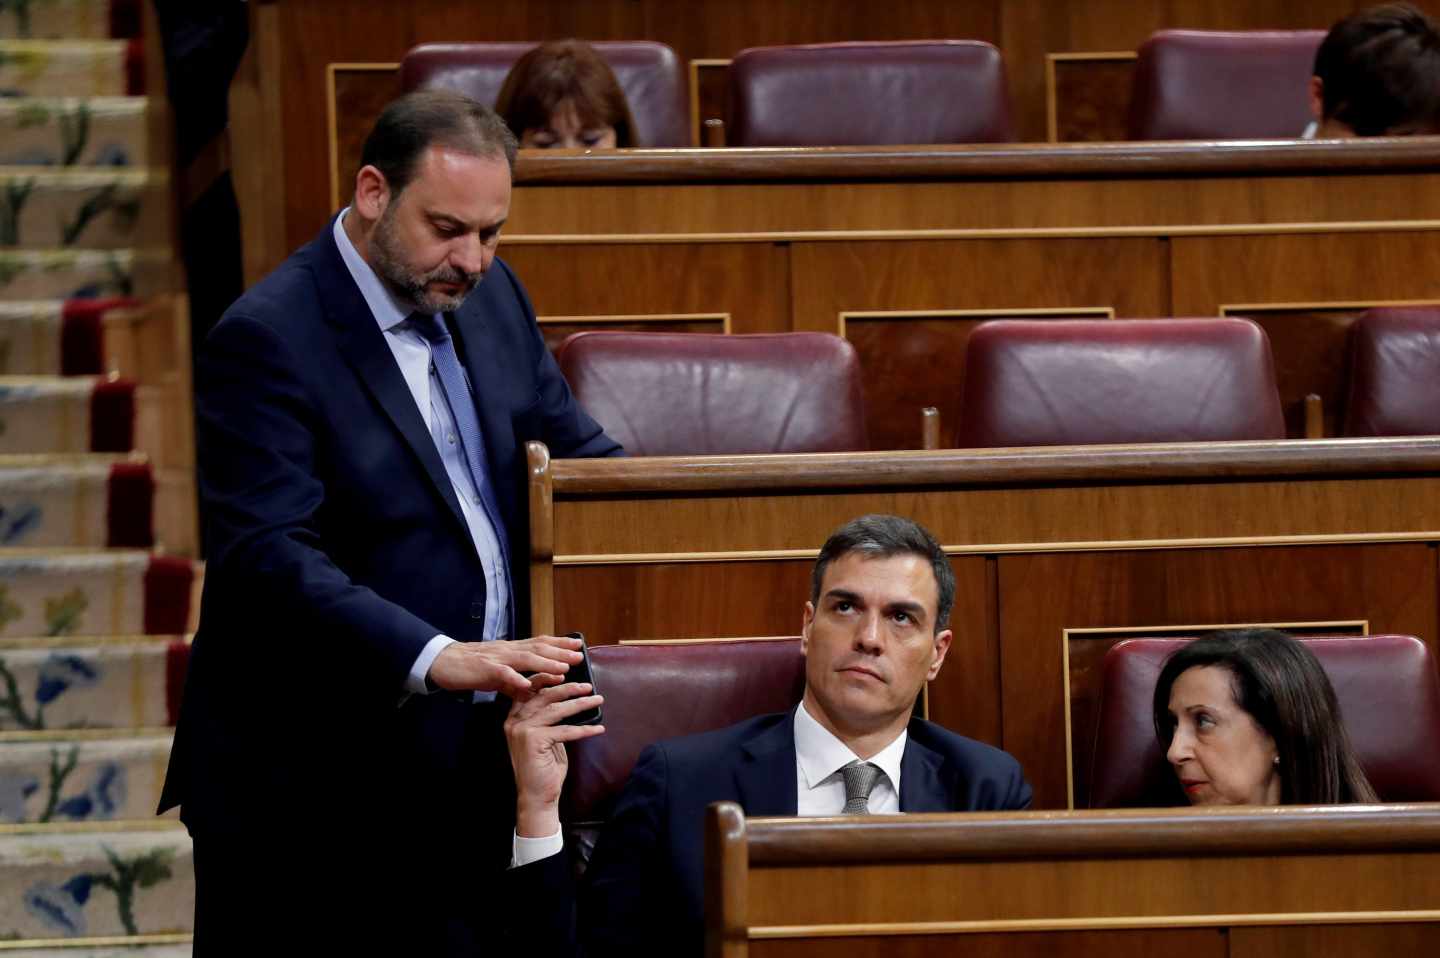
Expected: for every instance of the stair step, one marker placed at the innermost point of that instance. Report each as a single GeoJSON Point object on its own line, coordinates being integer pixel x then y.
{"type": "Point", "coordinates": [47, 593]}
{"type": "Point", "coordinates": [69, 19]}
{"type": "Point", "coordinates": [60, 881]}
{"type": "Point", "coordinates": [69, 68]}
{"type": "Point", "coordinates": [27, 274]}
{"type": "Point", "coordinates": [76, 779]}
{"type": "Point", "coordinates": [74, 131]}
{"type": "Point", "coordinates": [93, 501]}
{"type": "Point", "coordinates": [69, 414]}
{"type": "Point", "coordinates": [82, 207]}
{"type": "Point", "coordinates": [85, 687]}
{"type": "Point", "coordinates": [57, 337]}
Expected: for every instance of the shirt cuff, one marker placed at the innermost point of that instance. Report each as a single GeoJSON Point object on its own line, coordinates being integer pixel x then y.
{"type": "Point", "coordinates": [415, 681]}
{"type": "Point", "coordinates": [524, 851]}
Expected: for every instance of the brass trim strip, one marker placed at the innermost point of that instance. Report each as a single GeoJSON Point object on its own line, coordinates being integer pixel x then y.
{"type": "Point", "coordinates": [1081, 57]}
{"type": "Point", "coordinates": [1023, 312]}
{"type": "Point", "coordinates": [1080, 924]}
{"type": "Point", "coordinates": [722, 318]}
{"type": "Point", "coordinates": [1231, 309]}
{"type": "Point", "coordinates": [1042, 232]}
{"type": "Point", "coordinates": [1007, 548]}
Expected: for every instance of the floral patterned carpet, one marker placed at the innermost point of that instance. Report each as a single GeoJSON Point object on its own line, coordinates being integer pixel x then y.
{"type": "Point", "coordinates": [91, 616]}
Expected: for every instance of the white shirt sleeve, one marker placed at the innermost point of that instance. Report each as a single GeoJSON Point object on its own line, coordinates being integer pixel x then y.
{"type": "Point", "coordinates": [523, 851]}
{"type": "Point", "coordinates": [415, 681]}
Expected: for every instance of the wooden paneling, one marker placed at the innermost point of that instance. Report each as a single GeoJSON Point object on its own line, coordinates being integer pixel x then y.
{"type": "Point", "coordinates": [1090, 96]}
{"type": "Point", "coordinates": [1336, 941]}
{"type": "Point", "coordinates": [1394, 587]}
{"type": "Point", "coordinates": [361, 92]}
{"type": "Point", "coordinates": [915, 362]}
{"type": "Point", "coordinates": [750, 281]}
{"type": "Point", "coordinates": [1213, 271]}
{"type": "Point", "coordinates": [951, 877]}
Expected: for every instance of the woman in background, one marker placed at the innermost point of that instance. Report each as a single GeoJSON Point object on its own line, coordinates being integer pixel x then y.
{"type": "Point", "coordinates": [1248, 717]}
{"type": "Point", "coordinates": [562, 95]}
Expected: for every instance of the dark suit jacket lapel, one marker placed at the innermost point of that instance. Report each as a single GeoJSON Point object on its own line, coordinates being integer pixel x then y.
{"type": "Point", "coordinates": [364, 347]}
{"type": "Point", "coordinates": [765, 777]}
{"type": "Point", "coordinates": [926, 784]}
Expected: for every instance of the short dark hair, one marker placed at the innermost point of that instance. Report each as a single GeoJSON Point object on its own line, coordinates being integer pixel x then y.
{"type": "Point", "coordinates": [880, 537]}
{"type": "Point", "coordinates": [1279, 683]}
{"type": "Point", "coordinates": [415, 122]}
{"type": "Point", "coordinates": [1380, 71]}
{"type": "Point", "coordinates": [561, 70]}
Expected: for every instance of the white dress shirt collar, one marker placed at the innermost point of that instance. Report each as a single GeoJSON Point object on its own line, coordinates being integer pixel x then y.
{"type": "Point", "coordinates": [820, 755]}
{"type": "Point", "coordinates": [387, 309]}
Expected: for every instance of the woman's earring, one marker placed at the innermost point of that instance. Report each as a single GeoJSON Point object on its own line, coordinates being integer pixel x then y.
{"type": "Point", "coordinates": [1276, 760]}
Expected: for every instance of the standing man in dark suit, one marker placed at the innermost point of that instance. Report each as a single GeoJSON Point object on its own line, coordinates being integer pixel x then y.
{"type": "Point", "coordinates": [874, 633]}
{"type": "Point", "coordinates": [362, 413]}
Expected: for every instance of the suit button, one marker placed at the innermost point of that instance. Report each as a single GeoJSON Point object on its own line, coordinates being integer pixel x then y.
{"type": "Point", "coordinates": [477, 610]}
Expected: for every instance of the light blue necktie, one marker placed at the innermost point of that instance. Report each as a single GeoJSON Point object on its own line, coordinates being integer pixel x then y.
{"type": "Point", "coordinates": [461, 400]}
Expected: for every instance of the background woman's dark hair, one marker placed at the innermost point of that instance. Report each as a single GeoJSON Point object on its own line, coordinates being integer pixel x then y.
{"type": "Point", "coordinates": [1285, 690]}
{"type": "Point", "coordinates": [563, 70]}
{"type": "Point", "coordinates": [1380, 70]}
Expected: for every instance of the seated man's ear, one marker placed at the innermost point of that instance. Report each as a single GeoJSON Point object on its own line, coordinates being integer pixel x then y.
{"type": "Point", "coordinates": [942, 645]}
{"type": "Point", "coordinates": [372, 193]}
{"type": "Point", "coordinates": [1317, 98]}
{"type": "Point", "coordinates": [805, 627]}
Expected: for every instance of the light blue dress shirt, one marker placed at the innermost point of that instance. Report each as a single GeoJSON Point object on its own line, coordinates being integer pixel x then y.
{"type": "Point", "coordinates": [412, 354]}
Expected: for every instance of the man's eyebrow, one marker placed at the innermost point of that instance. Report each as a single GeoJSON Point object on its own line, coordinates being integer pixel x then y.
{"type": "Point", "coordinates": [844, 595]}
{"type": "Point", "coordinates": [447, 219]}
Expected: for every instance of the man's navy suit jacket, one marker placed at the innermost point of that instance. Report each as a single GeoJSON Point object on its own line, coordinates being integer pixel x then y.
{"type": "Point", "coordinates": [336, 550]}
{"type": "Point", "coordinates": [644, 888]}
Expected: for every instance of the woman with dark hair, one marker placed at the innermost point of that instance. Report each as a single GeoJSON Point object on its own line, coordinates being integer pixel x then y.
{"type": "Point", "coordinates": [562, 95]}
{"type": "Point", "coordinates": [1248, 717]}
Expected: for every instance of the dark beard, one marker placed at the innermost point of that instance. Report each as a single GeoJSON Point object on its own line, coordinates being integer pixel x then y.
{"type": "Point", "coordinates": [409, 286]}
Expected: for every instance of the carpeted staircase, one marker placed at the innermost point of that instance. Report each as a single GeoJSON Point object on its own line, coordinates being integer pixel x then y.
{"type": "Point", "coordinates": [96, 493]}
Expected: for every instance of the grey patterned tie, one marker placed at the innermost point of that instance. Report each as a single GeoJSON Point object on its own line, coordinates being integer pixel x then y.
{"type": "Point", "coordinates": [860, 779]}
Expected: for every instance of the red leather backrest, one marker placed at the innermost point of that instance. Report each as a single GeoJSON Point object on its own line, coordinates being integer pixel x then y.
{"type": "Point", "coordinates": [1071, 382]}
{"type": "Point", "coordinates": [653, 692]}
{"type": "Point", "coordinates": [674, 394]}
{"type": "Point", "coordinates": [858, 94]}
{"type": "Point", "coordinates": [648, 72]}
{"type": "Point", "coordinates": [1211, 85]}
{"type": "Point", "coordinates": [1389, 700]}
{"type": "Point", "coordinates": [1394, 373]}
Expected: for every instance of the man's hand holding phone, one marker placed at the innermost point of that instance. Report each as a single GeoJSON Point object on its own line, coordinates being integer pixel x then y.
{"type": "Point", "coordinates": [552, 712]}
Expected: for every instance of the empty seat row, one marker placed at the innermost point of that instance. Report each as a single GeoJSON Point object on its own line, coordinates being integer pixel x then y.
{"type": "Point", "coordinates": [1187, 86]}
{"type": "Point", "coordinates": [1026, 383]}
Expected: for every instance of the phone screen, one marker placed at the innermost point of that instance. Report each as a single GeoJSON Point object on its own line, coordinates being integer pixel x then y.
{"type": "Point", "coordinates": [580, 672]}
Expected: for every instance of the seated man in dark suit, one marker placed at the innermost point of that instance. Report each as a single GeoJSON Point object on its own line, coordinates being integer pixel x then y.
{"type": "Point", "coordinates": [874, 633]}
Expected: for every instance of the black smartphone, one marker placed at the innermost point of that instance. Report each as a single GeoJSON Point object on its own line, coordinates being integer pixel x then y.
{"type": "Point", "coordinates": [581, 673]}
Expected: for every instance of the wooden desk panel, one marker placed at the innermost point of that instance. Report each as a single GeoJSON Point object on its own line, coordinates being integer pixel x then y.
{"type": "Point", "coordinates": [1260, 878]}
{"type": "Point", "coordinates": [1042, 540]}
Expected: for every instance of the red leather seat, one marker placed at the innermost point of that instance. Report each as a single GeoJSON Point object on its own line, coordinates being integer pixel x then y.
{"type": "Point", "coordinates": [1212, 85]}
{"type": "Point", "coordinates": [654, 692]}
{"type": "Point", "coordinates": [1394, 373]}
{"type": "Point", "coordinates": [648, 72]}
{"type": "Point", "coordinates": [1389, 699]}
{"type": "Point", "coordinates": [1073, 382]}
{"type": "Point", "coordinates": [677, 394]}
{"type": "Point", "coordinates": [858, 94]}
